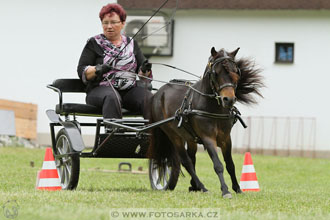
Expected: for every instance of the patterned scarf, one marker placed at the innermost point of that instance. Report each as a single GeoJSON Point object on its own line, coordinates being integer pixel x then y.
{"type": "Point", "coordinates": [123, 76]}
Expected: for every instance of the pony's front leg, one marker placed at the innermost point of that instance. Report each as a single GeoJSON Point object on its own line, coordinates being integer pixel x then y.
{"type": "Point", "coordinates": [210, 145]}
{"type": "Point", "coordinates": [226, 152]}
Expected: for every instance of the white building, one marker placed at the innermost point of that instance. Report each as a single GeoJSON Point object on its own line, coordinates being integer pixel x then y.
{"type": "Point", "coordinates": [42, 41]}
{"type": "Point", "coordinates": [296, 89]}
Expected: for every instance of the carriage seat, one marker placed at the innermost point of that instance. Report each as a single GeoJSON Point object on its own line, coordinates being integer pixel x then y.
{"type": "Point", "coordinates": [77, 86]}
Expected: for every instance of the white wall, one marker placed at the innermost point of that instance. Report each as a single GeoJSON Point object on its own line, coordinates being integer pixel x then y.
{"type": "Point", "coordinates": [41, 40]}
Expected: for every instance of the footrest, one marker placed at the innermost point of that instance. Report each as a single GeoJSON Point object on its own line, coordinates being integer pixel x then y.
{"type": "Point", "coordinates": [122, 146]}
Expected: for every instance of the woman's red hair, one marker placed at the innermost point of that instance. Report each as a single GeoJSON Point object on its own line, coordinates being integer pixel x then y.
{"type": "Point", "coordinates": [113, 8]}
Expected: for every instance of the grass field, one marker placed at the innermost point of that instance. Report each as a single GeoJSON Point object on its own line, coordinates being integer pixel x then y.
{"type": "Point", "coordinates": [291, 188]}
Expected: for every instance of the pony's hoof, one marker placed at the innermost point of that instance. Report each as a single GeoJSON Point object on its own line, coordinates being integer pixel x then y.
{"type": "Point", "coordinates": [239, 191]}
{"type": "Point", "coordinates": [193, 189]}
{"type": "Point", "coordinates": [205, 190]}
{"type": "Point", "coordinates": [227, 196]}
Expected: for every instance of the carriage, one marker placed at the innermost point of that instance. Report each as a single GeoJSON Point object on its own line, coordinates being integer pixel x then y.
{"type": "Point", "coordinates": [129, 137]}
{"type": "Point", "coordinates": [182, 115]}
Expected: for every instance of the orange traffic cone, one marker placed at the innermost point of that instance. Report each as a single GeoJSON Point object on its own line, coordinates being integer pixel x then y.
{"type": "Point", "coordinates": [249, 180]}
{"type": "Point", "coordinates": [47, 178]}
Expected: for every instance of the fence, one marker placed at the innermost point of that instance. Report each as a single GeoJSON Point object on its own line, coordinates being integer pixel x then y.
{"type": "Point", "coordinates": [25, 117]}
{"type": "Point", "coordinates": [286, 136]}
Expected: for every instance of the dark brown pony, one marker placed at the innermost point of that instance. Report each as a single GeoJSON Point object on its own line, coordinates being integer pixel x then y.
{"type": "Point", "coordinates": [205, 114]}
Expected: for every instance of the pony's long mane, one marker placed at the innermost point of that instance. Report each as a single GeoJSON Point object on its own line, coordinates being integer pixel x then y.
{"type": "Point", "coordinates": [249, 83]}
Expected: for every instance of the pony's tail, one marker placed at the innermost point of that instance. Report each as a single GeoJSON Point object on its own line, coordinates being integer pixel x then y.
{"type": "Point", "coordinates": [162, 151]}
{"type": "Point", "coordinates": [161, 147]}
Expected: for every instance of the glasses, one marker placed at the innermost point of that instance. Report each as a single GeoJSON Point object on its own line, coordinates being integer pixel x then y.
{"type": "Point", "coordinates": [112, 23]}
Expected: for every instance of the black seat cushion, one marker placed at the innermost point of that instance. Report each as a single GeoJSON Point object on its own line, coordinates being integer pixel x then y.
{"type": "Point", "coordinates": [69, 85]}
{"type": "Point", "coordinates": [75, 108]}
{"type": "Point", "coordinates": [77, 86]}
{"type": "Point", "coordinates": [84, 109]}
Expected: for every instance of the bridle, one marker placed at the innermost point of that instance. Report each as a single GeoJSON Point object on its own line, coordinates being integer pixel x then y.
{"type": "Point", "coordinates": [216, 88]}
{"type": "Point", "coordinates": [186, 108]}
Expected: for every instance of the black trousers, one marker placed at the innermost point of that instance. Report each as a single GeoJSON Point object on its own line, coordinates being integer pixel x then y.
{"type": "Point", "coordinates": [136, 99]}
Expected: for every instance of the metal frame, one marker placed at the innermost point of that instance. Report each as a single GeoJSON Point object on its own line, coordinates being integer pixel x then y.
{"type": "Point", "coordinates": [118, 123]}
{"type": "Point", "coordinates": [123, 138]}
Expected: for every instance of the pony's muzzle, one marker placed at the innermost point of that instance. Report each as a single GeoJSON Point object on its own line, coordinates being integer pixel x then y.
{"type": "Point", "coordinates": [228, 102]}
{"type": "Point", "coordinates": [228, 97]}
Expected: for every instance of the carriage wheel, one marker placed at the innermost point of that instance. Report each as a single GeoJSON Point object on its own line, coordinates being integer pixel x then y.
{"type": "Point", "coordinates": [68, 166]}
{"type": "Point", "coordinates": [162, 177]}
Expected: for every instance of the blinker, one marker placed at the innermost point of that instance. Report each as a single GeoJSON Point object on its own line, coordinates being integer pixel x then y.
{"type": "Point", "coordinates": [210, 65]}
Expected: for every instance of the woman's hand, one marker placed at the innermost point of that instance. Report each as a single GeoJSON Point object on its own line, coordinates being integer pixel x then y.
{"type": "Point", "coordinates": [100, 69]}
{"type": "Point", "coordinates": [145, 70]}
{"type": "Point", "coordinates": [146, 67]}
{"type": "Point", "coordinates": [97, 71]}
{"type": "Point", "coordinates": [147, 73]}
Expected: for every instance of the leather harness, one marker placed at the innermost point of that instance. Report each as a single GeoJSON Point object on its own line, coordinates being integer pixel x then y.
{"type": "Point", "coordinates": [186, 110]}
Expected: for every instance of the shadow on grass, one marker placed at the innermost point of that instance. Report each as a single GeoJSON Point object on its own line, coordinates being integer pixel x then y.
{"type": "Point", "coordinates": [114, 189]}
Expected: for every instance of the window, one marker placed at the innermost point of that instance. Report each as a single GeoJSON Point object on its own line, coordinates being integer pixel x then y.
{"type": "Point", "coordinates": [284, 52]}
{"type": "Point", "coordinates": [156, 37]}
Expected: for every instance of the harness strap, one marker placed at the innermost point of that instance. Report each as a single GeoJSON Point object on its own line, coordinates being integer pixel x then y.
{"type": "Point", "coordinates": [179, 113]}
{"type": "Point", "coordinates": [209, 115]}
{"type": "Point", "coordinates": [182, 116]}
{"type": "Point", "coordinates": [234, 114]}
{"type": "Point", "coordinates": [187, 126]}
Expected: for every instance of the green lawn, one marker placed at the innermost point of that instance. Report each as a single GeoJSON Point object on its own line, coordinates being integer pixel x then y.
{"type": "Point", "coordinates": [291, 188]}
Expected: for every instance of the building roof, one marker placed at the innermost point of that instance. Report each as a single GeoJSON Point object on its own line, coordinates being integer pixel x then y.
{"type": "Point", "coordinates": [229, 4]}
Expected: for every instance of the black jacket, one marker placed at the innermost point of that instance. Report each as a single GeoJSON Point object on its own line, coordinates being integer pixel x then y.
{"type": "Point", "coordinates": [92, 55]}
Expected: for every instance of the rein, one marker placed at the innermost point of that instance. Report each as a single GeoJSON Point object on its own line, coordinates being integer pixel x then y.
{"type": "Point", "coordinates": [210, 71]}
{"type": "Point", "coordinates": [183, 112]}
{"type": "Point", "coordinates": [143, 27]}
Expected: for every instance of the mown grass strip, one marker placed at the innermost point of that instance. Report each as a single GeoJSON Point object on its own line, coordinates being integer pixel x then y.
{"type": "Point", "coordinates": [291, 188]}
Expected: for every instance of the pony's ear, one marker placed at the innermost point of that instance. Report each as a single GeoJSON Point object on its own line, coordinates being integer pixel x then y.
{"type": "Point", "coordinates": [233, 54]}
{"type": "Point", "coordinates": [213, 52]}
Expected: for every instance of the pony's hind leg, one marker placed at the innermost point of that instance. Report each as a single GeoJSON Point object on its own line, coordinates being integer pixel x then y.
{"type": "Point", "coordinates": [188, 164]}
{"type": "Point", "coordinates": [230, 166]}
{"type": "Point", "coordinates": [210, 145]}
{"type": "Point", "coordinates": [192, 150]}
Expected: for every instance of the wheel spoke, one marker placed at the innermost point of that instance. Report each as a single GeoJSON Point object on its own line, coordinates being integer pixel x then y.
{"type": "Point", "coordinates": [60, 152]}
{"type": "Point", "coordinates": [159, 177]}
{"type": "Point", "coordinates": [66, 176]}
{"type": "Point", "coordinates": [60, 145]}
{"type": "Point", "coordinates": [167, 173]}
{"type": "Point", "coordinates": [155, 175]}
{"type": "Point", "coordinates": [62, 175]}
{"type": "Point", "coordinates": [67, 161]}
{"type": "Point", "coordinates": [65, 145]}
{"type": "Point", "coordinates": [164, 177]}
{"type": "Point", "coordinates": [68, 168]}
